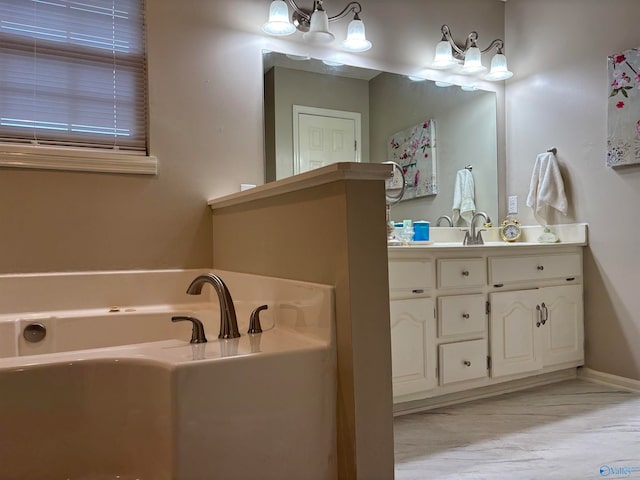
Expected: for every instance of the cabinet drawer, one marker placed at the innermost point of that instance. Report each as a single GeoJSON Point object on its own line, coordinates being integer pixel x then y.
{"type": "Point", "coordinates": [461, 273]}
{"type": "Point", "coordinates": [461, 315]}
{"type": "Point", "coordinates": [533, 267]}
{"type": "Point", "coordinates": [410, 274]}
{"type": "Point", "coordinates": [463, 361]}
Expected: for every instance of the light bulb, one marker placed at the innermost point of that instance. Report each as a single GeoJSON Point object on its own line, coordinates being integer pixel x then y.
{"type": "Point", "coordinates": [444, 56]}
{"type": "Point", "coordinates": [499, 70]}
{"type": "Point", "coordinates": [278, 23]}
{"type": "Point", "coordinates": [356, 40]}
{"type": "Point", "coordinates": [319, 28]}
{"type": "Point", "coordinates": [472, 62]}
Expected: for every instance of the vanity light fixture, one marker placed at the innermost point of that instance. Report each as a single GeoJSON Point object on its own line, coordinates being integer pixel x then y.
{"type": "Point", "coordinates": [450, 55]}
{"type": "Point", "coordinates": [315, 24]}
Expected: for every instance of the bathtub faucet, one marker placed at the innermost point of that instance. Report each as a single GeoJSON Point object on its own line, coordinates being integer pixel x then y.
{"type": "Point", "coordinates": [228, 321]}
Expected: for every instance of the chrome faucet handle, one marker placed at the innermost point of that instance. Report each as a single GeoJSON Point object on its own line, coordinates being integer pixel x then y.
{"type": "Point", "coordinates": [479, 239]}
{"type": "Point", "coordinates": [197, 331]}
{"type": "Point", "coordinates": [254, 320]}
{"type": "Point", "coordinates": [468, 240]}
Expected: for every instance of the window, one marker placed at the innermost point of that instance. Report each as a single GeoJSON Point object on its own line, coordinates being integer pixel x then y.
{"type": "Point", "coordinates": [73, 74]}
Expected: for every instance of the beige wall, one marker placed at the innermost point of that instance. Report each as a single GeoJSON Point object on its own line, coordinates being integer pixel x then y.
{"type": "Point", "coordinates": [333, 234]}
{"type": "Point", "coordinates": [558, 50]}
{"type": "Point", "coordinates": [205, 86]}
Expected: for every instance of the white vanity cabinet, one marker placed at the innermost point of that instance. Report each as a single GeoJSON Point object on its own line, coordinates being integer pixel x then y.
{"type": "Point", "coordinates": [502, 316]}
{"type": "Point", "coordinates": [413, 325]}
{"type": "Point", "coordinates": [533, 329]}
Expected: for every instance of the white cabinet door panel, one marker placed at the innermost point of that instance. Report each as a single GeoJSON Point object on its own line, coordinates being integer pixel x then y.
{"type": "Point", "coordinates": [413, 335]}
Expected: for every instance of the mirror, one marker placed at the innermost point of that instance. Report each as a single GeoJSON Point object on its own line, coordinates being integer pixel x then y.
{"type": "Point", "coordinates": [374, 108]}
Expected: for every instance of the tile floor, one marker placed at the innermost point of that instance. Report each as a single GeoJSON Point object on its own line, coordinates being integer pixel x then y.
{"type": "Point", "coordinates": [570, 430]}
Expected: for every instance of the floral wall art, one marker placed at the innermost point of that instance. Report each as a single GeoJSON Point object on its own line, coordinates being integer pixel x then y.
{"type": "Point", "coordinates": [623, 121]}
{"type": "Point", "coordinates": [414, 149]}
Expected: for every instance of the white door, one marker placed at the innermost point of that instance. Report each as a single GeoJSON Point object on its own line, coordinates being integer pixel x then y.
{"type": "Point", "coordinates": [563, 332]}
{"type": "Point", "coordinates": [514, 332]}
{"type": "Point", "coordinates": [322, 137]}
{"type": "Point", "coordinates": [413, 350]}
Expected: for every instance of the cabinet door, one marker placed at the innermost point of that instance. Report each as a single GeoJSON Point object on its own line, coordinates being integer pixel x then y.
{"type": "Point", "coordinates": [413, 352]}
{"type": "Point", "coordinates": [514, 332]}
{"type": "Point", "coordinates": [563, 331]}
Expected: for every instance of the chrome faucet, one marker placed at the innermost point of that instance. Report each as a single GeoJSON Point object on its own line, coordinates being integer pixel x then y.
{"type": "Point", "coordinates": [472, 237]}
{"type": "Point", "coordinates": [444, 217]}
{"type": "Point", "coordinates": [228, 321]}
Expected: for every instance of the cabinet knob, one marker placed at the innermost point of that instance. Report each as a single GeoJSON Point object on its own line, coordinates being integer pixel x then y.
{"type": "Point", "coordinates": [465, 315]}
{"type": "Point", "coordinates": [466, 363]}
{"type": "Point", "coordinates": [540, 267]}
{"type": "Point", "coordinates": [465, 273]}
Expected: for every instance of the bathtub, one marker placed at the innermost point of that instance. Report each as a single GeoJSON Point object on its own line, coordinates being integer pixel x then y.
{"type": "Point", "coordinates": [122, 394]}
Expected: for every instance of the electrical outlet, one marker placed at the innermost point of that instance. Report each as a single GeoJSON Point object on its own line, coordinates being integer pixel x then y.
{"type": "Point", "coordinates": [513, 204]}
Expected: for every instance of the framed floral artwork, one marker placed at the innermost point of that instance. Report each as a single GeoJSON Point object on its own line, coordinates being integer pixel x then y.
{"type": "Point", "coordinates": [623, 119]}
{"type": "Point", "coordinates": [414, 149]}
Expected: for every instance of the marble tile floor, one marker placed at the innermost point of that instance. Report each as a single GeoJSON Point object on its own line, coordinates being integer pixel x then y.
{"type": "Point", "coordinates": [570, 430]}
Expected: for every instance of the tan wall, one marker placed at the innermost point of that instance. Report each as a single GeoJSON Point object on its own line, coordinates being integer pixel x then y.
{"type": "Point", "coordinates": [205, 86]}
{"type": "Point", "coordinates": [558, 50]}
{"type": "Point", "coordinates": [333, 234]}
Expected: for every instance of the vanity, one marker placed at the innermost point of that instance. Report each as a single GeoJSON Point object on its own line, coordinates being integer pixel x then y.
{"type": "Point", "coordinates": [478, 320]}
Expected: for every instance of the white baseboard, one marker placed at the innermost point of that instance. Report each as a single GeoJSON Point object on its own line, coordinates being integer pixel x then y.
{"type": "Point", "coordinates": [609, 379]}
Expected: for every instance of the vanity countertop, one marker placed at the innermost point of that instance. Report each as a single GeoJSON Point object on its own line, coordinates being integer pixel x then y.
{"type": "Point", "coordinates": [574, 234]}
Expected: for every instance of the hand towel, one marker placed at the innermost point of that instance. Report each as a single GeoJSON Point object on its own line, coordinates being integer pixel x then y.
{"type": "Point", "coordinates": [546, 188]}
{"type": "Point", "coordinates": [463, 197]}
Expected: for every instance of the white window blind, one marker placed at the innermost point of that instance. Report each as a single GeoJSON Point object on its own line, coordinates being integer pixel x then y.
{"type": "Point", "coordinates": [73, 73]}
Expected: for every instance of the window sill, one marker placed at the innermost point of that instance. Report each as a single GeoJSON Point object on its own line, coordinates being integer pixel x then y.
{"type": "Point", "coordinates": [76, 159]}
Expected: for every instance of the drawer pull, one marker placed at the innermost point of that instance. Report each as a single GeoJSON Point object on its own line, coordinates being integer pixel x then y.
{"type": "Point", "coordinates": [417, 290]}
{"type": "Point", "coordinates": [465, 273]}
{"type": "Point", "coordinates": [466, 363]}
{"type": "Point", "coordinates": [571, 279]}
{"type": "Point", "coordinates": [540, 267]}
{"type": "Point", "coordinates": [465, 315]}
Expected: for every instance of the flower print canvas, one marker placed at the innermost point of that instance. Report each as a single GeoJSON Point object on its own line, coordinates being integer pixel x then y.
{"type": "Point", "coordinates": [623, 120]}
{"type": "Point", "coordinates": [414, 149]}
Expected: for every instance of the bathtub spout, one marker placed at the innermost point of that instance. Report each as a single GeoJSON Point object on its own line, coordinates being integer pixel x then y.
{"type": "Point", "coordinates": [228, 321]}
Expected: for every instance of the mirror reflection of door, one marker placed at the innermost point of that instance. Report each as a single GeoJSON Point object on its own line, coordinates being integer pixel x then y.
{"type": "Point", "coordinates": [322, 137]}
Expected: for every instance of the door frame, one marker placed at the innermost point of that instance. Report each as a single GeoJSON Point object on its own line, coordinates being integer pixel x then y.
{"type": "Point", "coordinates": [324, 112]}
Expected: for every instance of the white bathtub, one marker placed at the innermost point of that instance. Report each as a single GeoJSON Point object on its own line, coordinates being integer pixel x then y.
{"type": "Point", "coordinates": [124, 395]}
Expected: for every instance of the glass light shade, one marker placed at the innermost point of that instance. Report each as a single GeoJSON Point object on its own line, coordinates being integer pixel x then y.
{"type": "Point", "coordinates": [444, 56]}
{"type": "Point", "coordinates": [319, 28]}
{"type": "Point", "coordinates": [473, 62]}
{"type": "Point", "coordinates": [469, 88]}
{"type": "Point", "coordinates": [356, 40]}
{"type": "Point", "coordinates": [499, 70]}
{"type": "Point", "coordinates": [278, 23]}
{"type": "Point", "coordinates": [440, 83]}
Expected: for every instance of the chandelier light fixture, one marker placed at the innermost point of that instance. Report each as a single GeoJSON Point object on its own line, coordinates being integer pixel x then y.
{"type": "Point", "coordinates": [315, 24]}
{"type": "Point", "coordinates": [467, 59]}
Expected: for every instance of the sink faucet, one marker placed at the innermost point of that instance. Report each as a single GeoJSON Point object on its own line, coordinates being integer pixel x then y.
{"type": "Point", "coordinates": [471, 237]}
{"type": "Point", "coordinates": [228, 321]}
{"type": "Point", "coordinates": [444, 217]}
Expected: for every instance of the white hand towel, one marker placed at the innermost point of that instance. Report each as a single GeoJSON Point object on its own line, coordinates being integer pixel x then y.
{"type": "Point", "coordinates": [546, 188]}
{"type": "Point", "coordinates": [463, 197]}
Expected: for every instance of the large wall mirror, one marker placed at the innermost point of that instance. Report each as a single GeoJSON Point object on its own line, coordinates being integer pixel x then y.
{"type": "Point", "coordinates": [443, 128]}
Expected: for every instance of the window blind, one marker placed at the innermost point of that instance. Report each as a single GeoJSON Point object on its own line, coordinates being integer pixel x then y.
{"type": "Point", "coordinates": [73, 73]}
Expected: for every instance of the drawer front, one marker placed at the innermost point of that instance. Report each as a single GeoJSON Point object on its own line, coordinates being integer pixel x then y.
{"type": "Point", "coordinates": [463, 361]}
{"type": "Point", "coordinates": [410, 274]}
{"type": "Point", "coordinates": [462, 273]}
{"type": "Point", "coordinates": [533, 267]}
{"type": "Point", "coordinates": [462, 315]}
